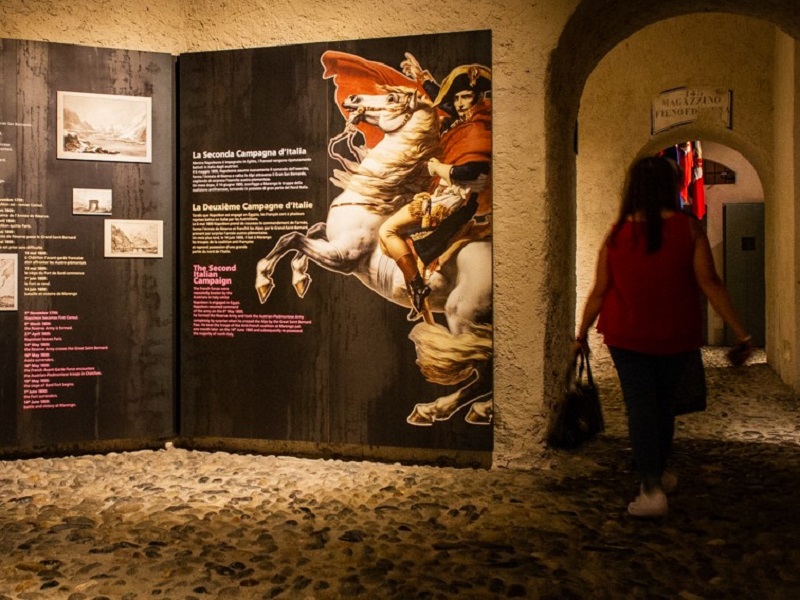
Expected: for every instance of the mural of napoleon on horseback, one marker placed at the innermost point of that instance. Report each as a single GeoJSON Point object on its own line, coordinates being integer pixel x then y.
{"type": "Point", "coordinates": [459, 204]}
{"type": "Point", "coordinates": [395, 151]}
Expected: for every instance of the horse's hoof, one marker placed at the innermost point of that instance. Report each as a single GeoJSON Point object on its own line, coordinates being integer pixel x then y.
{"type": "Point", "coordinates": [417, 418]}
{"type": "Point", "coordinates": [473, 417]}
{"type": "Point", "coordinates": [301, 286]}
{"type": "Point", "coordinates": [264, 288]}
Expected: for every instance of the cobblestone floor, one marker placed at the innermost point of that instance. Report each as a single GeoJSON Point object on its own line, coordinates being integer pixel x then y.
{"type": "Point", "coordinates": [180, 524]}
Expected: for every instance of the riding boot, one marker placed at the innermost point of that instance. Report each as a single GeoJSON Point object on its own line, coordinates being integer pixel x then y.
{"type": "Point", "coordinates": [415, 285]}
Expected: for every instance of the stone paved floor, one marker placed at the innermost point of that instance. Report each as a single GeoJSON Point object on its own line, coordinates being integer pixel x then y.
{"type": "Point", "coordinates": [178, 524]}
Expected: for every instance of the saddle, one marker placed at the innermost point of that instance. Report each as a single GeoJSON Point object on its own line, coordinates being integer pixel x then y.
{"type": "Point", "coordinates": [438, 240]}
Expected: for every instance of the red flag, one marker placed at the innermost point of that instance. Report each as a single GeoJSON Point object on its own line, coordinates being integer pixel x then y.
{"type": "Point", "coordinates": [697, 187]}
{"type": "Point", "coordinates": [685, 161]}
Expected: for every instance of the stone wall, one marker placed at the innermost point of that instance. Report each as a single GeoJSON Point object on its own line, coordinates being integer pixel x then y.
{"type": "Point", "coordinates": [524, 33]}
{"type": "Point", "coordinates": [542, 56]}
{"type": "Point", "coordinates": [158, 27]}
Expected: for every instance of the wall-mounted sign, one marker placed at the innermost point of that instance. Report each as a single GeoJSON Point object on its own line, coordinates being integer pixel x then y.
{"type": "Point", "coordinates": [684, 105]}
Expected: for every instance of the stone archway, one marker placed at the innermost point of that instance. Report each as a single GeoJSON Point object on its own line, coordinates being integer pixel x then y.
{"type": "Point", "coordinates": [590, 34]}
{"type": "Point", "coordinates": [615, 119]}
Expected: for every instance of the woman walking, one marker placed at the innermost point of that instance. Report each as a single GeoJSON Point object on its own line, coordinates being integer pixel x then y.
{"type": "Point", "coordinates": [651, 269]}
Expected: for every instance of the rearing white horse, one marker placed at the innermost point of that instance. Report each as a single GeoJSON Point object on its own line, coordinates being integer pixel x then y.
{"type": "Point", "coordinates": [385, 179]}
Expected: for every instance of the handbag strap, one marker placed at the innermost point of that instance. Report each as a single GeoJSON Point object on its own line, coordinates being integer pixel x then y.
{"type": "Point", "coordinates": [570, 375]}
{"type": "Point", "coordinates": [580, 362]}
{"type": "Point", "coordinates": [584, 360]}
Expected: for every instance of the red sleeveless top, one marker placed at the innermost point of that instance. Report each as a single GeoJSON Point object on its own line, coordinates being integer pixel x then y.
{"type": "Point", "coordinates": [652, 303]}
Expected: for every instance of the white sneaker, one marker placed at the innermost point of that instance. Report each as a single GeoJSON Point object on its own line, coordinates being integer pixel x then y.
{"type": "Point", "coordinates": [653, 504]}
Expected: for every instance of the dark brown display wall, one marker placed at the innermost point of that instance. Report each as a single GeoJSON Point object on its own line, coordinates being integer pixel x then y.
{"type": "Point", "coordinates": [87, 221]}
{"type": "Point", "coordinates": [139, 196]}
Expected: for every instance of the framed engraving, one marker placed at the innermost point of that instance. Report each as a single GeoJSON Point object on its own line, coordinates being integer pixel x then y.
{"type": "Point", "coordinates": [90, 201]}
{"type": "Point", "coordinates": [104, 127]}
{"type": "Point", "coordinates": [134, 239]}
{"type": "Point", "coordinates": [9, 270]}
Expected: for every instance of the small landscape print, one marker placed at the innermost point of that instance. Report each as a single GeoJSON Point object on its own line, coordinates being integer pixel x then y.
{"type": "Point", "coordinates": [8, 281]}
{"type": "Point", "coordinates": [104, 127]}
{"type": "Point", "coordinates": [87, 201]}
{"type": "Point", "coordinates": [134, 239]}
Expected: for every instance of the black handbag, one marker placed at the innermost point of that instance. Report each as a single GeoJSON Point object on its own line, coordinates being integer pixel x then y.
{"type": "Point", "coordinates": [578, 416]}
{"type": "Point", "coordinates": [690, 396]}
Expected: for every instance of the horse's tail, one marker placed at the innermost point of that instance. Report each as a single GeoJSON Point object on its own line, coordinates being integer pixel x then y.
{"type": "Point", "coordinates": [448, 359]}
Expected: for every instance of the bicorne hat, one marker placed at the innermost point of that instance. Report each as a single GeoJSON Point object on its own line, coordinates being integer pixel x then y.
{"type": "Point", "coordinates": [476, 78]}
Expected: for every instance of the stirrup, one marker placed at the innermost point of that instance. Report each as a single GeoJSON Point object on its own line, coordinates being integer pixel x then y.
{"type": "Point", "coordinates": [413, 315]}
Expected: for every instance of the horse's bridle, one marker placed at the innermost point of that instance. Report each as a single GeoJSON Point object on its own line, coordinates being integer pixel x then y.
{"type": "Point", "coordinates": [358, 115]}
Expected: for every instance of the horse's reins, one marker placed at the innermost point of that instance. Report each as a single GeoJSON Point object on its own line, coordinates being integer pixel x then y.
{"type": "Point", "coordinates": [350, 130]}
{"type": "Point", "coordinates": [357, 116]}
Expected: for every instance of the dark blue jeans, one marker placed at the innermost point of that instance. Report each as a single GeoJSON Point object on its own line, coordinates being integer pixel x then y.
{"type": "Point", "coordinates": [649, 384]}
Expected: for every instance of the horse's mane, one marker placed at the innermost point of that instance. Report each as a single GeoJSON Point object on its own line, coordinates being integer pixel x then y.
{"type": "Point", "coordinates": [396, 166]}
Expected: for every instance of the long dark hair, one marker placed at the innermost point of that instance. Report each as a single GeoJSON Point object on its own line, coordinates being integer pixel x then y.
{"type": "Point", "coordinates": [651, 186]}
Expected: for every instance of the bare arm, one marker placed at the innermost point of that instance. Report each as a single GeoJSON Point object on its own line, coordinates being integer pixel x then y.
{"type": "Point", "coordinates": [712, 286]}
{"type": "Point", "coordinates": [594, 302]}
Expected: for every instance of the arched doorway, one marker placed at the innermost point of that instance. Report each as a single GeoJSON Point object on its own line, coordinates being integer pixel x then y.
{"type": "Point", "coordinates": [587, 41]}
{"type": "Point", "coordinates": [734, 199]}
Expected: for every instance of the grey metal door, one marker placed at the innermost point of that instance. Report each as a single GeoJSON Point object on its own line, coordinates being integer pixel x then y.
{"type": "Point", "coordinates": [744, 265]}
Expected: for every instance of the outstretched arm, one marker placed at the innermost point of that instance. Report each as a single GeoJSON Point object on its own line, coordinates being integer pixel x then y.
{"type": "Point", "coordinates": [412, 69]}
{"type": "Point", "coordinates": [594, 302]}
